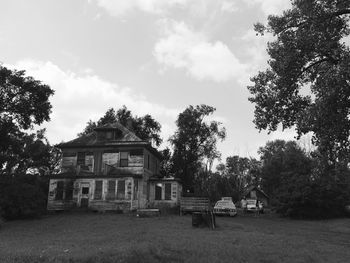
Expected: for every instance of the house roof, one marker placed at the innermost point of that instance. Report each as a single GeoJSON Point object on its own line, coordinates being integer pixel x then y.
{"type": "Point", "coordinates": [126, 138]}
{"type": "Point", "coordinates": [251, 188]}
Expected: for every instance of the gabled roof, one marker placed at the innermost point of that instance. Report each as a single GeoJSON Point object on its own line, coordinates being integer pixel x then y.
{"type": "Point", "coordinates": [127, 134]}
{"type": "Point", "coordinates": [126, 137]}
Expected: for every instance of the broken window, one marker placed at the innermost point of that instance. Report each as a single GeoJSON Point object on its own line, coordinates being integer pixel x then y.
{"type": "Point", "coordinates": [98, 190]}
{"type": "Point", "coordinates": [168, 191]}
{"type": "Point", "coordinates": [111, 190]}
{"type": "Point", "coordinates": [136, 188]}
{"type": "Point", "coordinates": [121, 190]}
{"type": "Point", "coordinates": [69, 190]}
{"type": "Point", "coordinates": [124, 162]}
{"type": "Point", "coordinates": [158, 191]}
{"type": "Point", "coordinates": [59, 190]}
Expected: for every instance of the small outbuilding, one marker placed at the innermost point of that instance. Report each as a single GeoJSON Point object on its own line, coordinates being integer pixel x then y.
{"type": "Point", "coordinates": [164, 192]}
{"type": "Point", "coordinates": [254, 192]}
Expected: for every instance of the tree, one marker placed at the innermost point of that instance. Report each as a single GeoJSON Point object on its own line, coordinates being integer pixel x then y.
{"type": "Point", "coordinates": [144, 127]}
{"type": "Point", "coordinates": [24, 102]}
{"type": "Point", "coordinates": [281, 162]}
{"type": "Point", "coordinates": [240, 172]}
{"type": "Point", "coordinates": [194, 142]}
{"type": "Point", "coordinates": [309, 53]}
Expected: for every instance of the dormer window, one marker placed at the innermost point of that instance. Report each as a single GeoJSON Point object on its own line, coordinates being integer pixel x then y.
{"type": "Point", "coordinates": [109, 135]}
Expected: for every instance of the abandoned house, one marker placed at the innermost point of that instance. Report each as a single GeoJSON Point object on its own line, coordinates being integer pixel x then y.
{"type": "Point", "coordinates": [111, 169]}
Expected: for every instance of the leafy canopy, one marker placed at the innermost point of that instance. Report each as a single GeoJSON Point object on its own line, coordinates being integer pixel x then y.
{"type": "Point", "coordinates": [144, 127]}
{"type": "Point", "coordinates": [194, 142]}
{"type": "Point", "coordinates": [24, 102]}
{"type": "Point", "coordinates": [307, 83]}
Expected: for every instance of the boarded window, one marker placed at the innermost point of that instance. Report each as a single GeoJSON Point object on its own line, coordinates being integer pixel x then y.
{"type": "Point", "coordinates": [69, 159]}
{"type": "Point", "coordinates": [124, 162]}
{"type": "Point", "coordinates": [158, 192]}
{"type": "Point", "coordinates": [109, 135]}
{"type": "Point", "coordinates": [167, 191]}
{"type": "Point", "coordinates": [111, 190]}
{"type": "Point", "coordinates": [121, 190]}
{"type": "Point", "coordinates": [81, 158]}
{"type": "Point", "coordinates": [110, 159]}
{"type": "Point", "coordinates": [98, 190]}
{"type": "Point", "coordinates": [59, 190]}
{"type": "Point", "coordinates": [69, 190]}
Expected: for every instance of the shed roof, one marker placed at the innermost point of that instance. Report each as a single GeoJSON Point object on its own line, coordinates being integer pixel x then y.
{"type": "Point", "coordinates": [251, 188]}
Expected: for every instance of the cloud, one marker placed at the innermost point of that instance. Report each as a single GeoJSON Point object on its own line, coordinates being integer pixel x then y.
{"type": "Point", "coordinates": [161, 7]}
{"type": "Point", "coordinates": [271, 7]}
{"type": "Point", "coordinates": [229, 6]}
{"type": "Point", "coordinates": [121, 7]}
{"type": "Point", "coordinates": [81, 97]}
{"type": "Point", "coordinates": [182, 48]}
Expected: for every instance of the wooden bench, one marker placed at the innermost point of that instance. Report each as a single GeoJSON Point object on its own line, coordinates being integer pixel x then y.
{"type": "Point", "coordinates": [194, 204]}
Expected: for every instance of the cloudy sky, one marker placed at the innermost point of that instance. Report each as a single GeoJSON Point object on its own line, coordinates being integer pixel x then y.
{"type": "Point", "coordinates": [154, 56]}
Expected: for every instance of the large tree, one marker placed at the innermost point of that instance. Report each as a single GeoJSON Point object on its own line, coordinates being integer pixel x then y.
{"type": "Point", "coordinates": [24, 102]}
{"type": "Point", "coordinates": [194, 142]}
{"type": "Point", "coordinates": [144, 127]}
{"type": "Point", "coordinates": [281, 162]}
{"type": "Point", "coordinates": [307, 83]}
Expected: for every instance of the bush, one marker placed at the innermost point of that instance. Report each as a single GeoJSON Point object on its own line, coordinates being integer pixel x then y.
{"type": "Point", "coordinates": [323, 197]}
{"type": "Point", "coordinates": [22, 196]}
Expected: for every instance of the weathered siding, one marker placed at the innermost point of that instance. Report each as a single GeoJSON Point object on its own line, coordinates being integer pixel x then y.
{"type": "Point", "coordinates": [123, 193]}
{"type": "Point", "coordinates": [175, 193]}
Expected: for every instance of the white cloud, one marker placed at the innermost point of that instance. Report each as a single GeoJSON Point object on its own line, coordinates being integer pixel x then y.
{"type": "Point", "coordinates": [159, 7]}
{"type": "Point", "coordinates": [79, 98]}
{"type": "Point", "coordinates": [229, 6]}
{"type": "Point", "coordinates": [270, 7]}
{"type": "Point", "coordinates": [121, 7]}
{"type": "Point", "coordinates": [183, 48]}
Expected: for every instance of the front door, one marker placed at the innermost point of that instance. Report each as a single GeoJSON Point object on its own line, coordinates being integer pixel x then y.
{"type": "Point", "coordinates": [84, 196]}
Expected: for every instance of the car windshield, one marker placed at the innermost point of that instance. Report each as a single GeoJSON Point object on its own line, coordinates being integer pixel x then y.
{"type": "Point", "coordinates": [251, 202]}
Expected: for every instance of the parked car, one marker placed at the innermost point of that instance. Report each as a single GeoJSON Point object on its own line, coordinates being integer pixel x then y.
{"type": "Point", "coordinates": [252, 207]}
{"type": "Point", "coordinates": [225, 207]}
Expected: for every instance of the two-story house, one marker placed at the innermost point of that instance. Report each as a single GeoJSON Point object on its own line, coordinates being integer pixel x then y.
{"type": "Point", "coordinates": [110, 169]}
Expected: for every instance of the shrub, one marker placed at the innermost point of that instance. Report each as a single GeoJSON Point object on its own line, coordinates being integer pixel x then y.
{"type": "Point", "coordinates": [323, 197]}
{"type": "Point", "coordinates": [22, 196]}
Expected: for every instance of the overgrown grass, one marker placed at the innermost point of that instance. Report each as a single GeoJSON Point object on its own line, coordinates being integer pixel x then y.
{"type": "Point", "coordinates": [89, 237]}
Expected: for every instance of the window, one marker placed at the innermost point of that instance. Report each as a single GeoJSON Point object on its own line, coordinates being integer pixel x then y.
{"type": "Point", "coordinates": [69, 190]}
{"type": "Point", "coordinates": [59, 190]}
{"type": "Point", "coordinates": [85, 190]}
{"type": "Point", "coordinates": [148, 161]}
{"type": "Point", "coordinates": [98, 190]}
{"type": "Point", "coordinates": [111, 190]}
{"type": "Point", "coordinates": [124, 159]}
{"type": "Point", "coordinates": [81, 158]}
{"type": "Point", "coordinates": [109, 135]}
{"type": "Point", "coordinates": [136, 188]}
{"type": "Point", "coordinates": [121, 190]}
{"type": "Point", "coordinates": [128, 190]}
{"type": "Point", "coordinates": [167, 191]}
{"type": "Point", "coordinates": [158, 191]}
{"type": "Point", "coordinates": [174, 190]}
{"type": "Point", "coordinates": [136, 152]}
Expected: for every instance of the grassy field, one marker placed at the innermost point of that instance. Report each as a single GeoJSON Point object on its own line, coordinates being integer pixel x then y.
{"type": "Point", "coordinates": [89, 237]}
